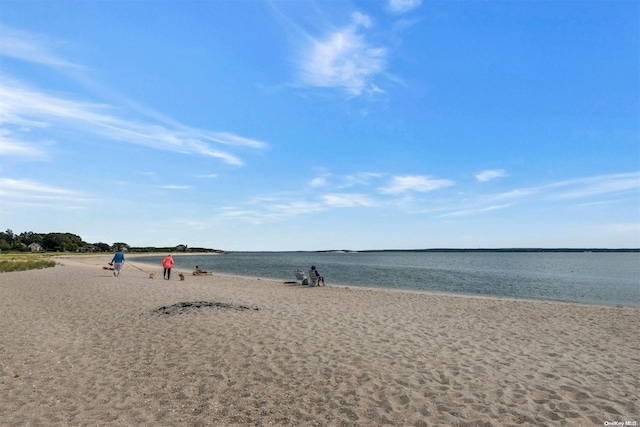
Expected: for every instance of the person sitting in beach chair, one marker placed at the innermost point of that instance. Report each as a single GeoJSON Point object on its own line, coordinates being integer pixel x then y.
{"type": "Point", "coordinates": [315, 279]}
{"type": "Point", "coordinates": [300, 276]}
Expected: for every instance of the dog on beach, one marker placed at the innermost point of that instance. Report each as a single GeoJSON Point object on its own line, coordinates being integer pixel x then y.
{"type": "Point", "coordinates": [152, 275]}
{"type": "Point", "coordinates": [181, 276]}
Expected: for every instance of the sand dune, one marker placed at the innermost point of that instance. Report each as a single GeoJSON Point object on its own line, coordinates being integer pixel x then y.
{"type": "Point", "coordinates": [79, 347]}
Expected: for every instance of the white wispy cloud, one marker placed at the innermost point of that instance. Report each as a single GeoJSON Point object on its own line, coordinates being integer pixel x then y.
{"type": "Point", "coordinates": [292, 208]}
{"type": "Point", "coordinates": [227, 138]}
{"type": "Point", "coordinates": [418, 183]}
{"type": "Point", "coordinates": [361, 19]}
{"type": "Point", "coordinates": [402, 6]}
{"type": "Point", "coordinates": [347, 200]}
{"type": "Point", "coordinates": [22, 106]}
{"type": "Point", "coordinates": [31, 47]}
{"type": "Point", "coordinates": [175, 187]}
{"type": "Point", "coordinates": [276, 207]}
{"type": "Point", "coordinates": [237, 214]}
{"type": "Point", "coordinates": [268, 210]}
{"type": "Point", "coordinates": [587, 191]}
{"type": "Point", "coordinates": [308, 201]}
{"type": "Point", "coordinates": [318, 182]}
{"type": "Point", "coordinates": [21, 187]}
{"type": "Point", "coordinates": [343, 59]}
{"type": "Point", "coordinates": [488, 175]}
{"type": "Point", "coordinates": [595, 186]}
{"type": "Point", "coordinates": [30, 192]}
{"type": "Point", "coordinates": [476, 211]}
{"type": "Point", "coordinates": [579, 188]}
{"type": "Point", "coordinates": [605, 202]}
{"type": "Point", "coordinates": [518, 193]}
{"type": "Point", "coordinates": [14, 148]}
{"type": "Point", "coordinates": [361, 178]}
{"type": "Point", "coordinates": [273, 208]}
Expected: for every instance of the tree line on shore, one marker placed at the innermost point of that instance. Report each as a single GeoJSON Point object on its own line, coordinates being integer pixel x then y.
{"type": "Point", "coordinates": [29, 241]}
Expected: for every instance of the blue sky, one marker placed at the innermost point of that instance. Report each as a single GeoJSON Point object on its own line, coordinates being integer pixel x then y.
{"type": "Point", "coordinates": [299, 125]}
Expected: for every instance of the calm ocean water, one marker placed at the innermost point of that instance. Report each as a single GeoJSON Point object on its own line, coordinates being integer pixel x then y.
{"type": "Point", "coordinates": [589, 277]}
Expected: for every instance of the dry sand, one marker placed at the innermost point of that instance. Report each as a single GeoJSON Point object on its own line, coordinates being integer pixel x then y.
{"type": "Point", "coordinates": [79, 347]}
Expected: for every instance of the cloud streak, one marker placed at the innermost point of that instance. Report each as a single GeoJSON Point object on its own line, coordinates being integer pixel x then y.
{"type": "Point", "coordinates": [34, 193]}
{"type": "Point", "coordinates": [31, 47]}
{"type": "Point", "coordinates": [23, 106]}
{"type": "Point", "coordinates": [347, 200]}
{"type": "Point", "coordinates": [488, 175]}
{"type": "Point", "coordinates": [396, 196]}
{"type": "Point", "coordinates": [176, 187]}
{"type": "Point", "coordinates": [595, 186]}
{"type": "Point", "coordinates": [403, 6]}
{"type": "Point", "coordinates": [14, 148]}
{"type": "Point", "coordinates": [268, 211]}
{"type": "Point", "coordinates": [469, 212]}
{"type": "Point", "coordinates": [415, 183]}
{"type": "Point", "coordinates": [579, 190]}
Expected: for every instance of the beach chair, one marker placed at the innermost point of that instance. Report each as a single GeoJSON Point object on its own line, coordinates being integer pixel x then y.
{"type": "Point", "coordinates": [313, 279]}
{"type": "Point", "coordinates": [301, 277]}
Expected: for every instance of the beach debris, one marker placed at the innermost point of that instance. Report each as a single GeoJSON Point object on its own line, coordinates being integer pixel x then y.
{"type": "Point", "coordinates": [185, 307]}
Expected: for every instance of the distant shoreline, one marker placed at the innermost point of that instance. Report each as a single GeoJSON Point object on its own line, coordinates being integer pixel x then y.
{"type": "Point", "coordinates": [508, 250]}
{"type": "Point", "coordinates": [351, 251]}
{"type": "Point", "coordinates": [436, 250]}
{"type": "Point", "coordinates": [524, 250]}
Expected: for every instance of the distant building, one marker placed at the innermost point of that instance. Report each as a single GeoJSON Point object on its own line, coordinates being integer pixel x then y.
{"type": "Point", "coordinates": [181, 248]}
{"type": "Point", "coordinates": [35, 247]}
{"type": "Point", "coordinates": [88, 248]}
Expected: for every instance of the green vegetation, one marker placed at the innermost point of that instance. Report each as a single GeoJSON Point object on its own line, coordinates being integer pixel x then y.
{"type": "Point", "coordinates": [37, 242]}
{"type": "Point", "coordinates": [29, 250]}
{"type": "Point", "coordinates": [22, 262]}
{"type": "Point", "coordinates": [69, 242]}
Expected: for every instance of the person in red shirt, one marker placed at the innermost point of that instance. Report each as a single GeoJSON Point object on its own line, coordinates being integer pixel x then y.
{"type": "Point", "coordinates": [167, 263]}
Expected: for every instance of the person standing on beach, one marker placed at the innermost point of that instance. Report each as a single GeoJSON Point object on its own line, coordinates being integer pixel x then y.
{"type": "Point", "coordinates": [167, 263]}
{"type": "Point", "coordinates": [118, 262]}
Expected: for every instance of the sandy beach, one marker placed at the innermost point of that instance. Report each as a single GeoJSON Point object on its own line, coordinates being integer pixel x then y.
{"type": "Point", "coordinates": [79, 347]}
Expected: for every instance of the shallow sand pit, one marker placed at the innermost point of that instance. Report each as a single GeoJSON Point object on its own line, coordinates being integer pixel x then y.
{"type": "Point", "coordinates": [186, 307]}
